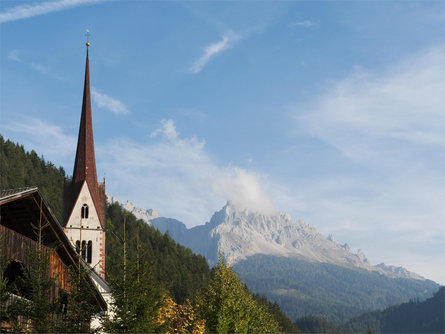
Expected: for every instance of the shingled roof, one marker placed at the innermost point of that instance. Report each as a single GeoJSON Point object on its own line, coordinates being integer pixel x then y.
{"type": "Point", "coordinates": [8, 194]}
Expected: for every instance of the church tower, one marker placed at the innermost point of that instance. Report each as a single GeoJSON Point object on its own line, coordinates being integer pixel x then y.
{"type": "Point", "coordinates": [84, 197]}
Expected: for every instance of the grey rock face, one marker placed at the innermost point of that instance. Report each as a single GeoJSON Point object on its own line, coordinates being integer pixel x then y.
{"type": "Point", "coordinates": [144, 214]}
{"type": "Point", "coordinates": [399, 271]}
{"type": "Point", "coordinates": [238, 233]}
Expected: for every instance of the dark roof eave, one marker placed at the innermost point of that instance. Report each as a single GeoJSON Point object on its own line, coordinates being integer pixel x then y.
{"type": "Point", "coordinates": [7, 196]}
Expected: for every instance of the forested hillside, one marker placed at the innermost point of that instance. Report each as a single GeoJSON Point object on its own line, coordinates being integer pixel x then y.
{"type": "Point", "coordinates": [172, 270]}
{"type": "Point", "coordinates": [173, 266]}
{"type": "Point", "coordinates": [336, 293]}
{"type": "Point", "coordinates": [311, 324]}
{"type": "Point", "coordinates": [20, 169]}
{"type": "Point", "coordinates": [411, 317]}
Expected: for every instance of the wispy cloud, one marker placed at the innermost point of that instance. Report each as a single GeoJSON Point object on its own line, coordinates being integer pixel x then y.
{"type": "Point", "coordinates": [177, 176]}
{"type": "Point", "coordinates": [26, 11]}
{"type": "Point", "coordinates": [389, 128]}
{"type": "Point", "coordinates": [243, 188]}
{"type": "Point", "coordinates": [191, 113]}
{"type": "Point", "coordinates": [376, 118]}
{"type": "Point", "coordinates": [104, 101]}
{"type": "Point", "coordinates": [168, 129]}
{"type": "Point", "coordinates": [212, 50]}
{"type": "Point", "coordinates": [14, 56]}
{"type": "Point", "coordinates": [305, 23]}
{"type": "Point", "coordinates": [43, 137]}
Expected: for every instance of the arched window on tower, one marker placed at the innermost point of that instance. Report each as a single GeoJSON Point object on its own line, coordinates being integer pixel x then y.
{"type": "Point", "coordinates": [84, 211]}
{"type": "Point", "coordinates": [84, 250]}
{"type": "Point", "coordinates": [78, 246]}
{"type": "Point", "coordinates": [89, 251]}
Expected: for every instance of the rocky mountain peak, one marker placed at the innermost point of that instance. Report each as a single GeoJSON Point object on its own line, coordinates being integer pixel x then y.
{"type": "Point", "coordinates": [361, 256]}
{"type": "Point", "coordinates": [399, 271]}
{"type": "Point", "coordinates": [145, 214]}
{"type": "Point", "coordinates": [331, 238]}
{"type": "Point", "coordinates": [238, 233]}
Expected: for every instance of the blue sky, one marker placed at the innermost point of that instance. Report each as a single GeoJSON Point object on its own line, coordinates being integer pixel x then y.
{"type": "Point", "coordinates": [331, 111]}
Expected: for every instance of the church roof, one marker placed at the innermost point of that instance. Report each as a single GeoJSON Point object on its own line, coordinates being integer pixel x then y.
{"type": "Point", "coordinates": [85, 163]}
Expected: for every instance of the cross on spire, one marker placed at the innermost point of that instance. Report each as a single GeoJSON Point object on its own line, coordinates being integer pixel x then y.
{"type": "Point", "coordinates": [87, 34]}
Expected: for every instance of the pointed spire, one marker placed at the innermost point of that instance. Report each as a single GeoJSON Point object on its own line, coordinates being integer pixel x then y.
{"type": "Point", "coordinates": [85, 163]}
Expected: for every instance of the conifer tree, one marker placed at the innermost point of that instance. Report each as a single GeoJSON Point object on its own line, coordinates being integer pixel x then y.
{"type": "Point", "coordinates": [80, 308]}
{"type": "Point", "coordinates": [135, 297]}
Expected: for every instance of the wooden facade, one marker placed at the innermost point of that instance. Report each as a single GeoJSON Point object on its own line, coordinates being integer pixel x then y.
{"type": "Point", "coordinates": [17, 247]}
{"type": "Point", "coordinates": [19, 211]}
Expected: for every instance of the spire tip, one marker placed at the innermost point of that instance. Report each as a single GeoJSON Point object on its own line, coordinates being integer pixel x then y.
{"type": "Point", "coordinates": [88, 38]}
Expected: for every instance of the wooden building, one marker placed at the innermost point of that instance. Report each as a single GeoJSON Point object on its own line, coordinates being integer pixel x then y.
{"type": "Point", "coordinates": [20, 209]}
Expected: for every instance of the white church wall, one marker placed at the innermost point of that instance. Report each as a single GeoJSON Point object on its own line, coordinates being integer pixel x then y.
{"type": "Point", "coordinates": [87, 229]}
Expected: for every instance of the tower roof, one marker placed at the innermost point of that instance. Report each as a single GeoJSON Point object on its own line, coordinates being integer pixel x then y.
{"type": "Point", "coordinates": [85, 163]}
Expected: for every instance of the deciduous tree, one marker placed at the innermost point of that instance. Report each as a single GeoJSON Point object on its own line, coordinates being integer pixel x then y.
{"type": "Point", "coordinates": [175, 318]}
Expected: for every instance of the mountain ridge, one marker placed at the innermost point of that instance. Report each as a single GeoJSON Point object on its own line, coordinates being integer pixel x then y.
{"type": "Point", "coordinates": [291, 263]}
{"type": "Point", "coordinates": [239, 233]}
{"type": "Point", "coordinates": [145, 214]}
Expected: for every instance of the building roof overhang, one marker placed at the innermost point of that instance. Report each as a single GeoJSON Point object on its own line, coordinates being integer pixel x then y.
{"type": "Point", "coordinates": [20, 208]}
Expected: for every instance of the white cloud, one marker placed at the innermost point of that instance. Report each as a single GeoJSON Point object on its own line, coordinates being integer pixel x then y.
{"type": "Point", "coordinates": [14, 56]}
{"type": "Point", "coordinates": [242, 188]}
{"type": "Point", "coordinates": [45, 138]}
{"type": "Point", "coordinates": [168, 129]}
{"type": "Point", "coordinates": [376, 118]}
{"type": "Point", "coordinates": [177, 177]}
{"type": "Point", "coordinates": [39, 68]}
{"type": "Point", "coordinates": [107, 102]}
{"type": "Point", "coordinates": [212, 50]}
{"type": "Point", "coordinates": [305, 23]}
{"type": "Point", "coordinates": [26, 11]}
{"type": "Point", "coordinates": [389, 128]}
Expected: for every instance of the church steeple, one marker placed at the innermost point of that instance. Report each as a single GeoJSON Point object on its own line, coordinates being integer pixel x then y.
{"type": "Point", "coordinates": [85, 163]}
{"type": "Point", "coordinates": [84, 197]}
